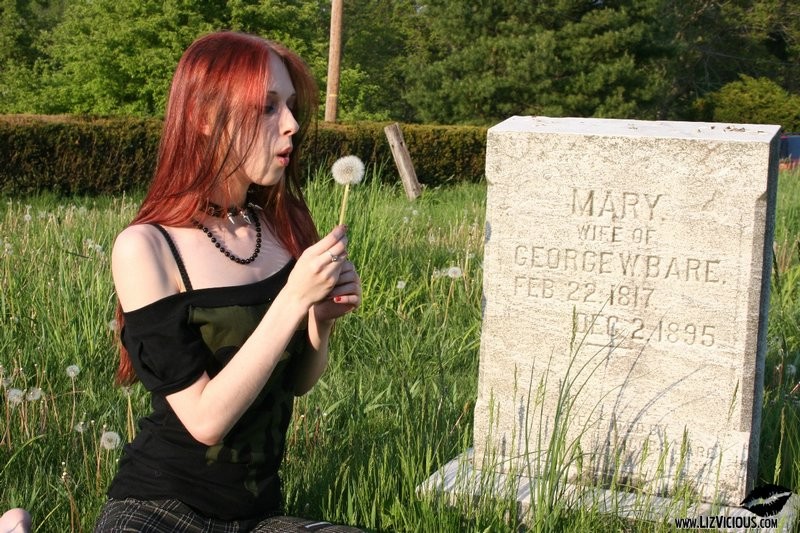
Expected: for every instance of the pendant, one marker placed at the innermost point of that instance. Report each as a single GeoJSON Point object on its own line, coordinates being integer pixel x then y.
{"type": "Point", "coordinates": [246, 216]}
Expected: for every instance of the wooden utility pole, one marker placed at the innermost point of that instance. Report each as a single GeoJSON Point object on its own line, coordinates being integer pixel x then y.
{"type": "Point", "coordinates": [334, 57]}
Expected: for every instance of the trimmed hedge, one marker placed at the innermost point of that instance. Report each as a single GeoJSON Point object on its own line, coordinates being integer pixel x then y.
{"type": "Point", "coordinates": [83, 155]}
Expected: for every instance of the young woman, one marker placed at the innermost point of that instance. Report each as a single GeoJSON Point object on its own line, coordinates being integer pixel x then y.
{"type": "Point", "coordinates": [226, 295]}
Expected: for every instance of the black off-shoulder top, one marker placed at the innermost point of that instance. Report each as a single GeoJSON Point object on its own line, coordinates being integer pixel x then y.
{"type": "Point", "coordinates": [171, 343]}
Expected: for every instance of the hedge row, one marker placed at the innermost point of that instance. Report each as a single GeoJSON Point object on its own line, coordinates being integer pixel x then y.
{"type": "Point", "coordinates": [77, 155]}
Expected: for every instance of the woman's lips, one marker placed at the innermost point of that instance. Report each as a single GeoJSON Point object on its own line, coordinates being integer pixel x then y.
{"type": "Point", "coordinates": [284, 157]}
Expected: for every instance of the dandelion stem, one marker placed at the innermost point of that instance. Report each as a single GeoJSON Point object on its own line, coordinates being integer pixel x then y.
{"type": "Point", "coordinates": [344, 203]}
{"type": "Point", "coordinates": [130, 424]}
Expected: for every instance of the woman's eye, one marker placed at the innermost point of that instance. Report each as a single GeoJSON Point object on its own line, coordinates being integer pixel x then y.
{"type": "Point", "coordinates": [269, 109]}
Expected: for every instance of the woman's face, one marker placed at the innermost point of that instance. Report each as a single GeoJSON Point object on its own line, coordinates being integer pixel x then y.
{"type": "Point", "coordinates": [270, 153]}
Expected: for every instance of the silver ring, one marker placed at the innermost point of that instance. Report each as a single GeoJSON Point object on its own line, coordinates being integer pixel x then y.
{"type": "Point", "coordinates": [334, 258]}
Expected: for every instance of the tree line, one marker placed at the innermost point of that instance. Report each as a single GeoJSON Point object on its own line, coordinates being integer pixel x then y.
{"type": "Point", "coordinates": [435, 61]}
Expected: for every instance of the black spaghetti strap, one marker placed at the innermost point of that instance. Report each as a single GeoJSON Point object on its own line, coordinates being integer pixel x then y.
{"type": "Point", "coordinates": [181, 267]}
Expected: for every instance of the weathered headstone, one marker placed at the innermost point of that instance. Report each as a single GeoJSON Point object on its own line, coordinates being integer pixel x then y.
{"type": "Point", "coordinates": [626, 283]}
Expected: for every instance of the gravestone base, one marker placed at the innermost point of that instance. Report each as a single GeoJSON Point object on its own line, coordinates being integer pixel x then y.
{"type": "Point", "coordinates": [459, 479]}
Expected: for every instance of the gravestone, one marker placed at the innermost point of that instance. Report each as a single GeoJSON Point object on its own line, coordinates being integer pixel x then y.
{"type": "Point", "coordinates": [626, 285]}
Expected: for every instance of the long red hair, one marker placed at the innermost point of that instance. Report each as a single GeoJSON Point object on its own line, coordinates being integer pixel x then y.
{"type": "Point", "coordinates": [218, 94]}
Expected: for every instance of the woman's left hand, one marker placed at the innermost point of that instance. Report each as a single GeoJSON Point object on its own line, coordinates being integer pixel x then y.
{"type": "Point", "coordinates": [344, 298]}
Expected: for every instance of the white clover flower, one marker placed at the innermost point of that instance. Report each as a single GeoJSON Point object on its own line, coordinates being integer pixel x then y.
{"type": "Point", "coordinates": [73, 371]}
{"type": "Point", "coordinates": [454, 272]}
{"type": "Point", "coordinates": [34, 394]}
{"type": "Point", "coordinates": [80, 427]}
{"type": "Point", "coordinates": [112, 324]}
{"type": "Point", "coordinates": [348, 170]}
{"type": "Point", "coordinates": [110, 440]}
{"type": "Point", "coordinates": [15, 396]}
{"type": "Point", "coordinates": [401, 284]}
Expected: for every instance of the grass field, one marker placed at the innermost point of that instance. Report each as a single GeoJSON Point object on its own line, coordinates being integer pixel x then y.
{"type": "Point", "coordinates": [394, 406]}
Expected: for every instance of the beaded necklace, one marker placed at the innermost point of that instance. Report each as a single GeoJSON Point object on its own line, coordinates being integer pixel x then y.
{"type": "Point", "coordinates": [249, 215]}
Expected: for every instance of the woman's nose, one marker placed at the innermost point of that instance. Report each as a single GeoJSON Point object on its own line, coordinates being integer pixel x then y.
{"type": "Point", "coordinates": [289, 125]}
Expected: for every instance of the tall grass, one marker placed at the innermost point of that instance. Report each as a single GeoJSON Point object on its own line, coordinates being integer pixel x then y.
{"type": "Point", "coordinates": [395, 405]}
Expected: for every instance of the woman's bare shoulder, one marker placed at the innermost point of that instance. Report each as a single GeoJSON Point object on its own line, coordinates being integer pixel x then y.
{"type": "Point", "coordinates": [140, 268]}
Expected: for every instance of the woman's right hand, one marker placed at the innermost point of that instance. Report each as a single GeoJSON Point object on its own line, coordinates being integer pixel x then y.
{"type": "Point", "coordinates": [317, 269]}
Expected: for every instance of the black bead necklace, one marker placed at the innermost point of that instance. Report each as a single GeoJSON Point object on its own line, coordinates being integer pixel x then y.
{"type": "Point", "coordinates": [225, 251]}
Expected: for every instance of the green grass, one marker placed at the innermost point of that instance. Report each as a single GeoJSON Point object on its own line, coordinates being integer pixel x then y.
{"type": "Point", "coordinates": [394, 406]}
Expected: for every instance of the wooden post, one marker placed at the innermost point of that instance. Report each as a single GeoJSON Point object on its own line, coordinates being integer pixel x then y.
{"type": "Point", "coordinates": [403, 160]}
{"type": "Point", "coordinates": [334, 58]}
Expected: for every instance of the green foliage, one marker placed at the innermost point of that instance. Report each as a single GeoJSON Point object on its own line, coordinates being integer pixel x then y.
{"type": "Point", "coordinates": [755, 101]}
{"type": "Point", "coordinates": [110, 155]}
{"type": "Point", "coordinates": [478, 64]}
{"type": "Point", "coordinates": [441, 61]}
{"type": "Point", "coordinates": [76, 156]}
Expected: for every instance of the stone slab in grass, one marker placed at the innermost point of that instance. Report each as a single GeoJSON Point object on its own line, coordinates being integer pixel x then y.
{"type": "Point", "coordinates": [626, 285]}
{"type": "Point", "coordinates": [460, 480]}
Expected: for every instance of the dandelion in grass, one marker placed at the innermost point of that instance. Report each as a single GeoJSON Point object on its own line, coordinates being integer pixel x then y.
{"type": "Point", "coordinates": [80, 427]}
{"type": "Point", "coordinates": [110, 440]}
{"type": "Point", "coordinates": [112, 324]}
{"type": "Point", "coordinates": [73, 371]}
{"type": "Point", "coordinates": [34, 394]}
{"type": "Point", "coordinates": [401, 284]}
{"type": "Point", "coordinates": [15, 396]}
{"type": "Point", "coordinates": [791, 370]}
{"type": "Point", "coordinates": [454, 272]}
{"type": "Point", "coordinates": [348, 170]}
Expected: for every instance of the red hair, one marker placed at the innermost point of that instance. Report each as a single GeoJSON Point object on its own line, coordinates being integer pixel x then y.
{"type": "Point", "coordinates": [218, 94]}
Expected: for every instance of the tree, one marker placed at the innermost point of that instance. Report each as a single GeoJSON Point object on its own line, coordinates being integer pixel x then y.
{"type": "Point", "coordinates": [483, 61]}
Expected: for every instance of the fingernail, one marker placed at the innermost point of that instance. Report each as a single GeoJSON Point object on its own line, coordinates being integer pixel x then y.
{"type": "Point", "coordinates": [337, 299]}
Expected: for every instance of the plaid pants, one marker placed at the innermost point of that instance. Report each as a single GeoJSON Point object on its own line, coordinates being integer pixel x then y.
{"type": "Point", "coordinates": [172, 516]}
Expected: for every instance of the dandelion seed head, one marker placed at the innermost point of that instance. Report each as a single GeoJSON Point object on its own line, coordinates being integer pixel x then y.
{"type": "Point", "coordinates": [401, 284]}
{"type": "Point", "coordinates": [73, 371]}
{"type": "Point", "coordinates": [454, 272]}
{"type": "Point", "coordinates": [791, 370]}
{"type": "Point", "coordinates": [414, 212]}
{"type": "Point", "coordinates": [110, 440]}
{"type": "Point", "coordinates": [112, 324]}
{"type": "Point", "coordinates": [80, 427]}
{"type": "Point", "coordinates": [15, 396]}
{"type": "Point", "coordinates": [348, 170]}
{"type": "Point", "coordinates": [27, 217]}
{"type": "Point", "coordinates": [405, 220]}
{"type": "Point", "coordinates": [34, 394]}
